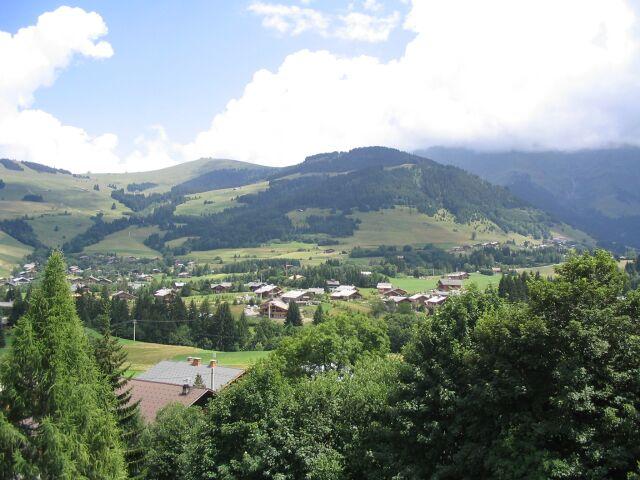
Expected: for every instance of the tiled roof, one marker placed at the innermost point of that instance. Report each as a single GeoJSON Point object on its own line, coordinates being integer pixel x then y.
{"type": "Point", "coordinates": [155, 395]}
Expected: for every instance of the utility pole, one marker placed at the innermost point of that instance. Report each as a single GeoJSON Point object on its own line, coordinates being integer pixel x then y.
{"type": "Point", "coordinates": [134, 329]}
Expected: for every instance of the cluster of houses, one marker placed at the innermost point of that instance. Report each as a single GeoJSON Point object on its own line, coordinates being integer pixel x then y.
{"type": "Point", "coordinates": [452, 284]}
{"type": "Point", "coordinates": [24, 277]}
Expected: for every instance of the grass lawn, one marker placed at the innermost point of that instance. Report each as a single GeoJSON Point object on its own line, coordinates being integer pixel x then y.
{"type": "Point", "coordinates": [11, 253]}
{"type": "Point", "coordinates": [415, 285]}
{"type": "Point", "coordinates": [126, 242]}
{"type": "Point", "coordinates": [143, 355]}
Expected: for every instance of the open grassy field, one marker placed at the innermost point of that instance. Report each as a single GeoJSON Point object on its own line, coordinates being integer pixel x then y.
{"type": "Point", "coordinates": [308, 253]}
{"type": "Point", "coordinates": [53, 229]}
{"type": "Point", "coordinates": [223, 198]}
{"type": "Point", "coordinates": [126, 242]}
{"type": "Point", "coordinates": [415, 285]}
{"type": "Point", "coordinates": [11, 253]}
{"type": "Point", "coordinates": [404, 225]}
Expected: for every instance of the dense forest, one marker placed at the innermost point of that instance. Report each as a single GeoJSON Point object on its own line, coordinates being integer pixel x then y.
{"type": "Point", "coordinates": [543, 384]}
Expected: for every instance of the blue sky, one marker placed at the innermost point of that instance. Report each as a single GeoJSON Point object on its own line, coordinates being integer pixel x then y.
{"type": "Point", "coordinates": [305, 76]}
{"type": "Point", "coordinates": [175, 63]}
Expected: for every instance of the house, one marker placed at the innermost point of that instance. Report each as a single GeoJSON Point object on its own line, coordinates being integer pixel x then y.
{"type": "Point", "coordinates": [268, 291]}
{"type": "Point", "coordinates": [136, 286]}
{"type": "Point", "coordinates": [170, 382]}
{"type": "Point", "coordinates": [345, 292]}
{"type": "Point", "coordinates": [144, 277]}
{"type": "Point", "coordinates": [435, 301]}
{"type": "Point", "coordinates": [274, 309]}
{"type": "Point", "coordinates": [75, 270]}
{"type": "Point", "coordinates": [384, 287]}
{"type": "Point", "coordinates": [184, 275]}
{"type": "Point", "coordinates": [315, 292]}
{"type": "Point", "coordinates": [17, 281]}
{"type": "Point", "coordinates": [253, 286]}
{"type": "Point", "coordinates": [122, 295]}
{"type": "Point", "coordinates": [179, 285]}
{"type": "Point", "coordinates": [165, 294]}
{"type": "Point", "coordinates": [221, 287]}
{"type": "Point", "coordinates": [398, 299]}
{"type": "Point", "coordinates": [419, 299]}
{"type": "Point", "coordinates": [332, 284]}
{"type": "Point", "coordinates": [395, 292]}
{"type": "Point", "coordinates": [458, 276]}
{"type": "Point", "coordinates": [447, 284]}
{"type": "Point", "coordinates": [79, 288]}
{"type": "Point", "coordinates": [298, 296]}
{"type": "Point", "coordinates": [366, 273]}
{"type": "Point", "coordinates": [296, 277]}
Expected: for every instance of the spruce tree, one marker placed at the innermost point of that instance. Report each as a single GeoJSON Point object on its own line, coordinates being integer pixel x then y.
{"type": "Point", "coordinates": [57, 416]}
{"type": "Point", "coordinates": [318, 315]}
{"type": "Point", "coordinates": [111, 360]}
{"type": "Point", "coordinates": [225, 332]}
{"type": "Point", "coordinates": [294, 318]}
{"type": "Point", "coordinates": [242, 332]}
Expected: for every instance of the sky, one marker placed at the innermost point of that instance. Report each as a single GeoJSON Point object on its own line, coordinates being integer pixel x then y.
{"type": "Point", "coordinates": [114, 85]}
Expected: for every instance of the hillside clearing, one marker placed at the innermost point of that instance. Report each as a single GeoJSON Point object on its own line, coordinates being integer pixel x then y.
{"type": "Point", "coordinates": [126, 242]}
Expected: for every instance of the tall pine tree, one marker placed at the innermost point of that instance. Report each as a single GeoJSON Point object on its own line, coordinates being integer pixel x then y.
{"type": "Point", "coordinates": [57, 416]}
{"type": "Point", "coordinates": [293, 315]}
{"type": "Point", "coordinates": [112, 362]}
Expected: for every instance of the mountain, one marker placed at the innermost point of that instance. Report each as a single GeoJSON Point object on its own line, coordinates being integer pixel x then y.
{"type": "Point", "coordinates": [323, 197]}
{"type": "Point", "coordinates": [362, 198]}
{"type": "Point", "coordinates": [594, 190]}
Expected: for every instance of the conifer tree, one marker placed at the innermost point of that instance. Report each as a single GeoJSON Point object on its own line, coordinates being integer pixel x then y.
{"type": "Point", "coordinates": [57, 416]}
{"type": "Point", "coordinates": [225, 331]}
{"type": "Point", "coordinates": [111, 360]}
{"type": "Point", "coordinates": [242, 331]}
{"type": "Point", "coordinates": [318, 315]}
{"type": "Point", "coordinates": [294, 318]}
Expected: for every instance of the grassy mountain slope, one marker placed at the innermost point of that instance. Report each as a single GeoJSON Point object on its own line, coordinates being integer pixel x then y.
{"type": "Point", "coordinates": [595, 190]}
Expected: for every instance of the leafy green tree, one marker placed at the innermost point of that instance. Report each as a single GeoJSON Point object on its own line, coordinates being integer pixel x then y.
{"type": "Point", "coordinates": [58, 419]}
{"type": "Point", "coordinates": [170, 439]}
{"type": "Point", "coordinates": [547, 389]}
{"type": "Point", "coordinates": [294, 318]}
{"type": "Point", "coordinates": [111, 360]}
{"type": "Point", "coordinates": [3, 340]}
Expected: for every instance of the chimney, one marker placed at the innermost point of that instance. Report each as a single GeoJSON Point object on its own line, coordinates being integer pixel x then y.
{"type": "Point", "coordinates": [196, 361]}
{"type": "Point", "coordinates": [185, 386]}
{"type": "Point", "coordinates": [213, 363]}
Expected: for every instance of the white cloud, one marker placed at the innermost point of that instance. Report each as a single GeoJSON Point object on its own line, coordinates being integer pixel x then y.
{"type": "Point", "coordinates": [294, 20]}
{"type": "Point", "coordinates": [32, 58]}
{"type": "Point", "coordinates": [496, 73]}
{"type": "Point", "coordinates": [290, 19]}
{"type": "Point", "coordinates": [152, 152]}
{"type": "Point", "coordinates": [367, 28]}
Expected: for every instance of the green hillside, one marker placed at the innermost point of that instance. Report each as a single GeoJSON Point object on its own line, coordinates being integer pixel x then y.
{"type": "Point", "coordinates": [11, 253]}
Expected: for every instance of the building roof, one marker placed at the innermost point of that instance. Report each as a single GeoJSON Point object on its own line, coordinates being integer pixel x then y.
{"type": "Point", "coordinates": [222, 284]}
{"type": "Point", "coordinates": [176, 373]}
{"type": "Point", "coordinates": [384, 285]}
{"type": "Point", "coordinates": [6, 304]}
{"type": "Point", "coordinates": [153, 396]}
{"type": "Point", "coordinates": [294, 294]}
{"type": "Point", "coordinates": [450, 282]}
{"type": "Point", "coordinates": [276, 303]}
{"type": "Point", "coordinates": [163, 292]}
{"type": "Point", "coordinates": [266, 289]}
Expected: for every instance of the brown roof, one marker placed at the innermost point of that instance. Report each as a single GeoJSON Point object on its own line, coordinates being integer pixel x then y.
{"type": "Point", "coordinates": [155, 395]}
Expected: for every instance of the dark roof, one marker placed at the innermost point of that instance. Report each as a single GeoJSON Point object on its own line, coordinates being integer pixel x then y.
{"type": "Point", "coordinates": [155, 395]}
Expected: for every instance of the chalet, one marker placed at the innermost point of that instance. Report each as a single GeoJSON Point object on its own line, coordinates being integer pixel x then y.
{"type": "Point", "coordinates": [17, 281]}
{"type": "Point", "coordinates": [395, 292]}
{"type": "Point", "coordinates": [332, 284]}
{"type": "Point", "coordinates": [79, 288]}
{"type": "Point", "coordinates": [165, 294]}
{"type": "Point", "coordinates": [458, 276]}
{"type": "Point", "coordinates": [384, 287]}
{"type": "Point", "coordinates": [298, 296]}
{"type": "Point", "coordinates": [419, 299]}
{"type": "Point", "coordinates": [221, 287]}
{"type": "Point", "coordinates": [144, 277]}
{"type": "Point", "coordinates": [75, 270]}
{"type": "Point", "coordinates": [169, 382]}
{"type": "Point", "coordinates": [315, 292]}
{"type": "Point", "coordinates": [268, 291]}
{"type": "Point", "coordinates": [179, 285]}
{"type": "Point", "coordinates": [136, 286]}
{"type": "Point", "coordinates": [253, 286]}
{"type": "Point", "coordinates": [122, 295]}
{"type": "Point", "coordinates": [435, 301]}
{"type": "Point", "coordinates": [345, 292]}
{"type": "Point", "coordinates": [398, 299]}
{"type": "Point", "coordinates": [366, 273]}
{"type": "Point", "coordinates": [184, 275]}
{"type": "Point", "coordinates": [296, 277]}
{"type": "Point", "coordinates": [447, 284]}
{"type": "Point", "coordinates": [274, 309]}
